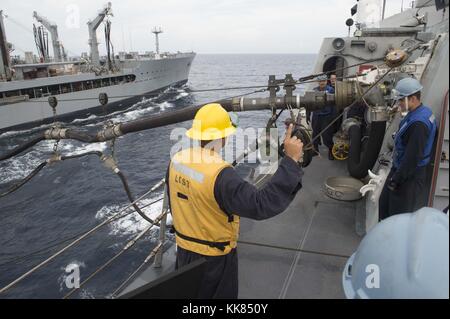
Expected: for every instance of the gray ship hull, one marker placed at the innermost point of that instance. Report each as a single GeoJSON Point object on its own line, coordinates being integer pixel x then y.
{"type": "Point", "coordinates": [150, 76]}
{"type": "Point", "coordinates": [302, 253]}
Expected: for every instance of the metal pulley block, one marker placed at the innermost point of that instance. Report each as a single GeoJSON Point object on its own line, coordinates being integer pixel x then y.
{"type": "Point", "coordinates": [103, 98]}
{"type": "Point", "coordinates": [395, 58]}
{"type": "Point", "coordinates": [53, 101]}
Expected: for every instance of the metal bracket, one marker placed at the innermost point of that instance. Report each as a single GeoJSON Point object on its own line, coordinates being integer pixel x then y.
{"type": "Point", "coordinates": [273, 87]}
{"type": "Point", "coordinates": [289, 85]}
{"type": "Point", "coordinates": [55, 133]}
{"type": "Point", "coordinates": [110, 133]}
{"type": "Point", "coordinates": [110, 163]}
{"type": "Point", "coordinates": [378, 114]}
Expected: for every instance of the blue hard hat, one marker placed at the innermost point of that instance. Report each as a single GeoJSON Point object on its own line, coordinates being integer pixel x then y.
{"type": "Point", "coordinates": [404, 256]}
{"type": "Point", "coordinates": [406, 87]}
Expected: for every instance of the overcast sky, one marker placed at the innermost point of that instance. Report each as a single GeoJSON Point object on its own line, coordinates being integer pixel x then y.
{"type": "Point", "coordinates": [204, 26]}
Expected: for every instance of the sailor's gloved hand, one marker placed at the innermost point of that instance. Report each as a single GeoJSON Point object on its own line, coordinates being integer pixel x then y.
{"type": "Point", "coordinates": [293, 147]}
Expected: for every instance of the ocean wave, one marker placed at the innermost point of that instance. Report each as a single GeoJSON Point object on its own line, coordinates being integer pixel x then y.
{"type": "Point", "coordinates": [71, 149]}
{"type": "Point", "coordinates": [19, 167]}
{"type": "Point", "coordinates": [121, 114]}
{"type": "Point", "coordinates": [132, 223]}
{"type": "Point", "coordinates": [10, 134]}
{"type": "Point", "coordinates": [180, 96]}
{"type": "Point", "coordinates": [89, 118]}
{"type": "Point", "coordinates": [165, 105]}
{"type": "Point", "coordinates": [132, 115]}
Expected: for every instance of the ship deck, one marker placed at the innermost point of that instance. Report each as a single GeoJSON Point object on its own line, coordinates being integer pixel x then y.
{"type": "Point", "coordinates": [300, 253]}
{"type": "Point", "coordinates": [314, 223]}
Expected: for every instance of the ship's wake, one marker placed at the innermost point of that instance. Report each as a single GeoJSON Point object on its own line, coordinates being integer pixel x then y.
{"type": "Point", "coordinates": [19, 167]}
{"type": "Point", "coordinates": [168, 99]}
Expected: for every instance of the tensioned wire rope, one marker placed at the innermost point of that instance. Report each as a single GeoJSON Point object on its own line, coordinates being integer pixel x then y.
{"type": "Point", "coordinates": [115, 217]}
{"type": "Point", "coordinates": [302, 80]}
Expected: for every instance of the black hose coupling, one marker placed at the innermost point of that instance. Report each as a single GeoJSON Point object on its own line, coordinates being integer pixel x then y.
{"type": "Point", "coordinates": [55, 158]}
{"type": "Point", "coordinates": [109, 133]}
{"type": "Point", "coordinates": [55, 133]}
{"type": "Point", "coordinates": [110, 163]}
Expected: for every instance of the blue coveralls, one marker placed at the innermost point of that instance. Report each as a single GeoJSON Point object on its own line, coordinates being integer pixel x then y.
{"type": "Point", "coordinates": [320, 119]}
{"type": "Point", "coordinates": [413, 147]}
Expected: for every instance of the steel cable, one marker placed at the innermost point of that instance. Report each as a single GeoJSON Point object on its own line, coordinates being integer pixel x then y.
{"type": "Point", "coordinates": [85, 235]}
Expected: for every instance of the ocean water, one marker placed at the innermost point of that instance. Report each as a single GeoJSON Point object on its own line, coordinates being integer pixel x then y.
{"type": "Point", "coordinates": [73, 196]}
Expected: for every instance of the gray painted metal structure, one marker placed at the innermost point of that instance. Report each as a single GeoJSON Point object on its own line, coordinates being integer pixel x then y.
{"type": "Point", "coordinates": [77, 84]}
{"type": "Point", "coordinates": [92, 26]}
{"type": "Point", "coordinates": [302, 252]}
{"type": "Point", "coordinates": [53, 29]}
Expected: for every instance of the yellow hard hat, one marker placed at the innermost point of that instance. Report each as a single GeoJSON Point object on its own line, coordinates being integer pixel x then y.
{"type": "Point", "coordinates": [211, 122]}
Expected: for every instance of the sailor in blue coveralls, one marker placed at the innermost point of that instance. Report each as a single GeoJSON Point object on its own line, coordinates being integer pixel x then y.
{"type": "Point", "coordinates": [405, 188]}
{"type": "Point", "coordinates": [322, 118]}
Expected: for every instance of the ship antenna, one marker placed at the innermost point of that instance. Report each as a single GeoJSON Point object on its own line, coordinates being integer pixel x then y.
{"type": "Point", "coordinates": [384, 10]}
{"type": "Point", "coordinates": [157, 31]}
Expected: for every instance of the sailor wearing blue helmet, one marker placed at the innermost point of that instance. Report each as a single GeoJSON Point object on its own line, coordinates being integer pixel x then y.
{"type": "Point", "coordinates": [405, 188]}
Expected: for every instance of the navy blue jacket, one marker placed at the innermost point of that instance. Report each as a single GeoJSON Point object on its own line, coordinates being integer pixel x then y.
{"type": "Point", "coordinates": [327, 110]}
{"type": "Point", "coordinates": [423, 115]}
{"type": "Point", "coordinates": [236, 196]}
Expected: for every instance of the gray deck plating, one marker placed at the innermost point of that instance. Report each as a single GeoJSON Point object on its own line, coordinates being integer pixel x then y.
{"type": "Point", "coordinates": [312, 222]}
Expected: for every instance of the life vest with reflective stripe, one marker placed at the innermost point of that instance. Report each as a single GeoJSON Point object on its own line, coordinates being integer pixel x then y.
{"type": "Point", "coordinates": [421, 114]}
{"type": "Point", "coordinates": [201, 226]}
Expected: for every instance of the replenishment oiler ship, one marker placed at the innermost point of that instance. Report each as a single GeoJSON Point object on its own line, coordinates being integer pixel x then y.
{"type": "Point", "coordinates": [126, 77]}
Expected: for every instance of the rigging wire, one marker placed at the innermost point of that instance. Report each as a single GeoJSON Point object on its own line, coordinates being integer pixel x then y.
{"type": "Point", "coordinates": [307, 147]}
{"type": "Point", "coordinates": [123, 178]}
{"type": "Point", "coordinates": [81, 136]}
{"type": "Point", "coordinates": [55, 243]}
{"type": "Point", "coordinates": [41, 166]}
{"type": "Point", "coordinates": [137, 270]}
{"type": "Point", "coordinates": [39, 138]}
{"type": "Point", "coordinates": [25, 180]}
{"type": "Point", "coordinates": [322, 253]}
{"type": "Point", "coordinates": [85, 235]}
{"type": "Point", "coordinates": [152, 95]}
{"type": "Point", "coordinates": [309, 77]}
{"type": "Point", "coordinates": [110, 163]}
{"type": "Point", "coordinates": [302, 80]}
{"type": "Point", "coordinates": [126, 248]}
